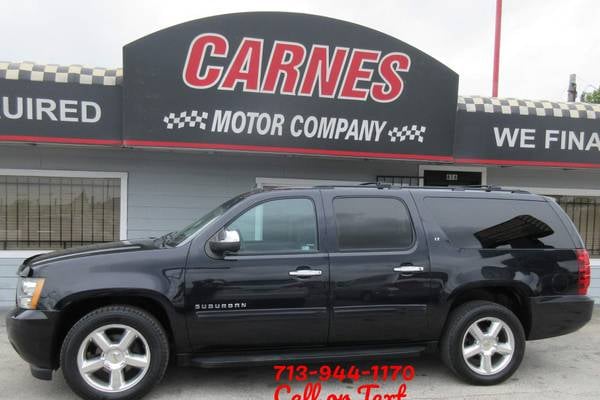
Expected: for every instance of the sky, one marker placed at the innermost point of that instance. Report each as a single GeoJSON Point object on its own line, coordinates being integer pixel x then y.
{"type": "Point", "coordinates": [543, 41]}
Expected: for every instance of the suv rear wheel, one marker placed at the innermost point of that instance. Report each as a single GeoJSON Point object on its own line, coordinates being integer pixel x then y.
{"type": "Point", "coordinates": [484, 342]}
{"type": "Point", "coordinates": [115, 352]}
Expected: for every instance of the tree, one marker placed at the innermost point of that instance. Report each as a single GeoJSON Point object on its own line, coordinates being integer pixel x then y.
{"type": "Point", "coordinates": [593, 97]}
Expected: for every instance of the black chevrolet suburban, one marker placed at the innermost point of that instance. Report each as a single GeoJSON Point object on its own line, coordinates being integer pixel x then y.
{"type": "Point", "coordinates": [310, 274]}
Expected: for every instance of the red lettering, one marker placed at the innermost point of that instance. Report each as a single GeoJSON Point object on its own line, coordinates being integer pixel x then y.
{"type": "Point", "coordinates": [408, 373]}
{"type": "Point", "coordinates": [356, 73]}
{"type": "Point", "coordinates": [286, 58]}
{"type": "Point", "coordinates": [279, 389]}
{"type": "Point", "coordinates": [245, 67]}
{"type": "Point", "coordinates": [312, 391]}
{"type": "Point", "coordinates": [401, 392]}
{"type": "Point", "coordinates": [367, 390]}
{"type": "Point", "coordinates": [340, 396]}
{"type": "Point", "coordinates": [319, 68]}
{"type": "Point", "coordinates": [191, 72]}
{"type": "Point", "coordinates": [368, 393]}
{"type": "Point", "coordinates": [340, 74]}
{"type": "Point", "coordinates": [389, 67]}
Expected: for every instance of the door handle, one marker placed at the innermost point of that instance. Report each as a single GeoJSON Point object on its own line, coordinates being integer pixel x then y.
{"type": "Point", "coordinates": [408, 269]}
{"type": "Point", "coordinates": [304, 273]}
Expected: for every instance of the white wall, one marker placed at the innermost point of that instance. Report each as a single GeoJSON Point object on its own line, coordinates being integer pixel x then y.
{"type": "Point", "coordinates": [544, 177]}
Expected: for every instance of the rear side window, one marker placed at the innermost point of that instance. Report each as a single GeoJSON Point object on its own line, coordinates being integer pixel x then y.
{"type": "Point", "coordinates": [499, 224]}
{"type": "Point", "coordinates": [371, 223]}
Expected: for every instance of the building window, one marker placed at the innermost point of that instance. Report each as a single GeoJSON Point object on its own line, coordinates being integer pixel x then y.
{"type": "Point", "coordinates": [49, 213]}
{"type": "Point", "coordinates": [400, 180]}
{"type": "Point", "coordinates": [585, 213]}
{"type": "Point", "coordinates": [452, 175]}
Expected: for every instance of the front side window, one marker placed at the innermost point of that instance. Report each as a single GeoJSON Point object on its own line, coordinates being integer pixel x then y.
{"type": "Point", "coordinates": [50, 213]}
{"type": "Point", "coordinates": [278, 226]}
{"type": "Point", "coordinates": [371, 223]}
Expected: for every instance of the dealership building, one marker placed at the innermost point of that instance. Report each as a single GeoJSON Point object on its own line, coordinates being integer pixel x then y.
{"type": "Point", "coordinates": [211, 108]}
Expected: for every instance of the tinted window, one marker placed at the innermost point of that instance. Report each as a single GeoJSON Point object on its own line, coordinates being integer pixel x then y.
{"type": "Point", "coordinates": [368, 223]}
{"type": "Point", "coordinates": [499, 224]}
{"type": "Point", "coordinates": [278, 226]}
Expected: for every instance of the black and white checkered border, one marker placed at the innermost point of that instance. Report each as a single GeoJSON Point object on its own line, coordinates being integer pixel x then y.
{"type": "Point", "coordinates": [31, 71]}
{"type": "Point", "coordinates": [407, 132]}
{"type": "Point", "coordinates": [192, 119]}
{"type": "Point", "coordinates": [528, 107]}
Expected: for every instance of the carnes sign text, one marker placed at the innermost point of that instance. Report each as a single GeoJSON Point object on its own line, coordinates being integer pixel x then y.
{"type": "Point", "coordinates": [294, 69]}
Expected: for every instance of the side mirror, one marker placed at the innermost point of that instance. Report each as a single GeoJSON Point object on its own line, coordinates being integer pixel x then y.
{"type": "Point", "coordinates": [225, 241]}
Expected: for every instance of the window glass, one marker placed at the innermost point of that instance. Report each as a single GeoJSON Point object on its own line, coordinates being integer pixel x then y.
{"type": "Point", "coordinates": [499, 224]}
{"type": "Point", "coordinates": [49, 213]}
{"type": "Point", "coordinates": [278, 226]}
{"type": "Point", "coordinates": [180, 236]}
{"type": "Point", "coordinates": [369, 223]}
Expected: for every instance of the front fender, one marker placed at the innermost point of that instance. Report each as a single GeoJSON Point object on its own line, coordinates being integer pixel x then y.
{"type": "Point", "coordinates": [162, 307]}
{"type": "Point", "coordinates": [149, 277]}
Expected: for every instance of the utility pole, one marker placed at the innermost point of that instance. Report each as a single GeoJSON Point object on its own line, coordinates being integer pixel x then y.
{"type": "Point", "coordinates": [497, 48]}
{"type": "Point", "coordinates": [572, 92]}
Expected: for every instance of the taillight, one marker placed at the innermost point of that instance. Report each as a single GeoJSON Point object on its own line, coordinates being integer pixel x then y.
{"type": "Point", "coordinates": [585, 272]}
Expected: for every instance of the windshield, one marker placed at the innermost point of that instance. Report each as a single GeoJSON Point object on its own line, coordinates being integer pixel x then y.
{"type": "Point", "coordinates": [177, 237]}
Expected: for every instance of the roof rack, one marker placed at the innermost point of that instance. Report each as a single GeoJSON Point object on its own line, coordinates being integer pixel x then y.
{"type": "Point", "coordinates": [490, 188]}
{"type": "Point", "coordinates": [378, 185]}
{"type": "Point", "coordinates": [385, 185]}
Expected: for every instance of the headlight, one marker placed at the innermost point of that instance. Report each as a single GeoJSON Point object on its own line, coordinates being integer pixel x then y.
{"type": "Point", "coordinates": [28, 292]}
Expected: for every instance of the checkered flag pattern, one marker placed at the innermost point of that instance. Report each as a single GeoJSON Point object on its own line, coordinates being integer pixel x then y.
{"type": "Point", "coordinates": [528, 107]}
{"type": "Point", "coordinates": [31, 71]}
{"type": "Point", "coordinates": [412, 132]}
{"type": "Point", "coordinates": [114, 76]}
{"type": "Point", "coordinates": [192, 119]}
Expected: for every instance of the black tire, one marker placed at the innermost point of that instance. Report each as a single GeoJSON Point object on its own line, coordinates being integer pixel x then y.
{"type": "Point", "coordinates": [132, 317]}
{"type": "Point", "coordinates": [459, 321]}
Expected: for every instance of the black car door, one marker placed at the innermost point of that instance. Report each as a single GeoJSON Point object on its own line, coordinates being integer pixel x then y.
{"type": "Point", "coordinates": [274, 290]}
{"type": "Point", "coordinates": [379, 266]}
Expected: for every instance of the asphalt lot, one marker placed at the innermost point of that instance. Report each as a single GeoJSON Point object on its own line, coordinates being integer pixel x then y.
{"type": "Point", "coordinates": [566, 367]}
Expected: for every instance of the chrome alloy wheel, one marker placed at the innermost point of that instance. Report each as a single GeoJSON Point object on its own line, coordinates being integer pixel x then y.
{"type": "Point", "coordinates": [488, 346]}
{"type": "Point", "coordinates": [113, 358]}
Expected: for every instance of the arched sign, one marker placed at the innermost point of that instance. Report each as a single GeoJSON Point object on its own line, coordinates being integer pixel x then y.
{"type": "Point", "coordinates": [287, 83]}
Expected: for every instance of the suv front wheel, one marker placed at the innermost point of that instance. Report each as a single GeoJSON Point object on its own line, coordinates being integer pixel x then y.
{"type": "Point", "coordinates": [114, 352]}
{"type": "Point", "coordinates": [484, 342]}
